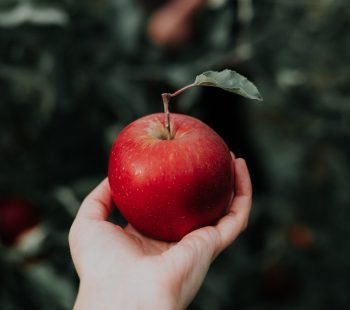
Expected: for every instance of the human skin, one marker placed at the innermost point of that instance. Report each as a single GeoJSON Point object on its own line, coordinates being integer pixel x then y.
{"type": "Point", "coordinates": [121, 269]}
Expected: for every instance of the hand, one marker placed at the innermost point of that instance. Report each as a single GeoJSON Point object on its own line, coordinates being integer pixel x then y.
{"type": "Point", "coordinates": [122, 269]}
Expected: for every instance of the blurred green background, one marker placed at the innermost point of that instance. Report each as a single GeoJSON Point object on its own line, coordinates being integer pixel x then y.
{"type": "Point", "coordinates": [74, 73]}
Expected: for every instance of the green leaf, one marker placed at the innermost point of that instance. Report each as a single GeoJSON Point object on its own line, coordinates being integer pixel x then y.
{"type": "Point", "coordinates": [230, 81]}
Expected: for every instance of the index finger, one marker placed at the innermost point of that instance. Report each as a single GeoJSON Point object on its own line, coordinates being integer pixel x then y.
{"type": "Point", "coordinates": [98, 204]}
{"type": "Point", "coordinates": [232, 224]}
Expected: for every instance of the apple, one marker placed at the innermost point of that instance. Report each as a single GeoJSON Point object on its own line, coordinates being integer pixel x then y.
{"type": "Point", "coordinates": [166, 188]}
{"type": "Point", "coordinates": [171, 174]}
{"type": "Point", "coordinates": [16, 217]}
{"type": "Point", "coordinates": [172, 24]}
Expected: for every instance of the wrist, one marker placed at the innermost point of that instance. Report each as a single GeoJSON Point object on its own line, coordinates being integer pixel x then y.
{"type": "Point", "coordinates": [125, 296]}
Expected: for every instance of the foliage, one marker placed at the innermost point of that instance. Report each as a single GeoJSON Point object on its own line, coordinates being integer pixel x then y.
{"type": "Point", "coordinates": [228, 80]}
{"type": "Point", "coordinates": [73, 73]}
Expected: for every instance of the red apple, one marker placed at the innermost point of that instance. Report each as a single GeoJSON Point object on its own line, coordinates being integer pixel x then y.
{"type": "Point", "coordinates": [16, 217]}
{"type": "Point", "coordinates": [171, 175]}
{"type": "Point", "coordinates": [172, 24]}
{"type": "Point", "coordinates": [165, 187]}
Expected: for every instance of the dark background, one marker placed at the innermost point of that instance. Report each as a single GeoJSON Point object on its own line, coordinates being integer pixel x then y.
{"type": "Point", "coordinates": [74, 73]}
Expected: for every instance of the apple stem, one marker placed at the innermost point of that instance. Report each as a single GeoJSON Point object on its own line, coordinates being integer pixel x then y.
{"type": "Point", "coordinates": [166, 99]}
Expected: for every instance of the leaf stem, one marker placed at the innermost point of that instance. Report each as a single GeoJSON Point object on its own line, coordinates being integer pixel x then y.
{"type": "Point", "coordinates": [181, 90]}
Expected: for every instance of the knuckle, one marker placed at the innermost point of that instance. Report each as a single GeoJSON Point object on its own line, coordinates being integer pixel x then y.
{"type": "Point", "coordinates": [244, 226]}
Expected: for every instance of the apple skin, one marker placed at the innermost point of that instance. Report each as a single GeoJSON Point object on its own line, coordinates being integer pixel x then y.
{"type": "Point", "coordinates": [168, 188]}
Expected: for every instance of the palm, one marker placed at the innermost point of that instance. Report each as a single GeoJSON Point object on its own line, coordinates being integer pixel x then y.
{"type": "Point", "coordinates": [129, 240]}
{"type": "Point", "coordinates": [103, 243]}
